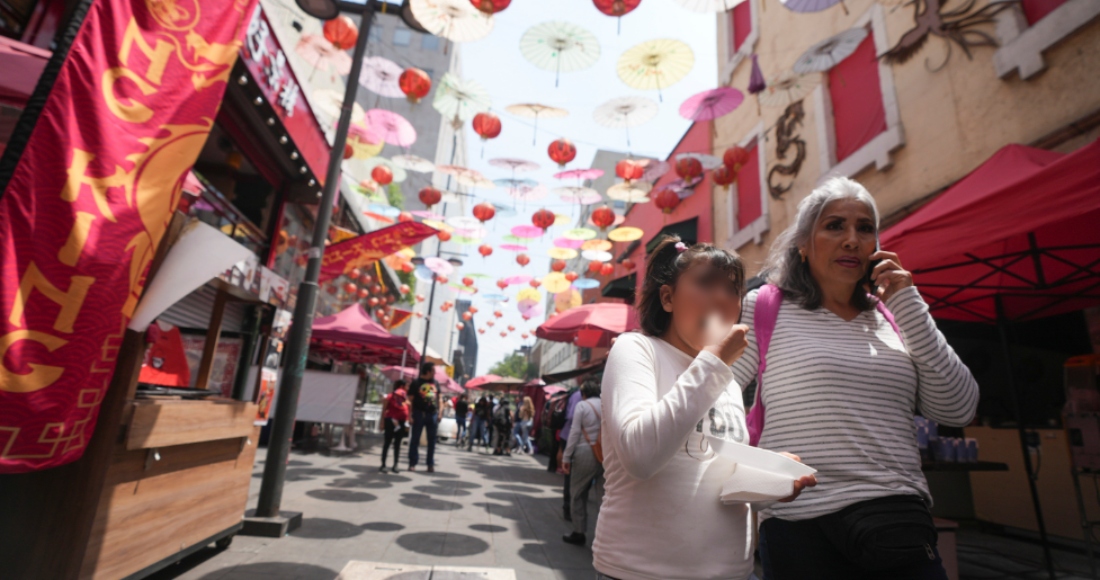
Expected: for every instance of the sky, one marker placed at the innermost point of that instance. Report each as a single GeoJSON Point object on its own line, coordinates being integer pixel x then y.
{"type": "Point", "coordinates": [497, 63]}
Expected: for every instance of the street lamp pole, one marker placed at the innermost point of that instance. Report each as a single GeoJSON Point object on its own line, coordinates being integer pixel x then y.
{"type": "Point", "coordinates": [297, 346]}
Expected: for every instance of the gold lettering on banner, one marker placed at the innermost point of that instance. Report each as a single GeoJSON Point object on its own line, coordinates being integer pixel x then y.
{"type": "Point", "coordinates": [40, 376]}
{"type": "Point", "coordinates": [78, 236]}
{"type": "Point", "coordinates": [70, 301]}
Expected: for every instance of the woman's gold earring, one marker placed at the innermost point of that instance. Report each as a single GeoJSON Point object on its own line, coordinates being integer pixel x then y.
{"type": "Point", "coordinates": [803, 254]}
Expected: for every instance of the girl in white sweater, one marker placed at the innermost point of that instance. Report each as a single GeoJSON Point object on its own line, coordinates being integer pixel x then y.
{"type": "Point", "coordinates": [663, 389]}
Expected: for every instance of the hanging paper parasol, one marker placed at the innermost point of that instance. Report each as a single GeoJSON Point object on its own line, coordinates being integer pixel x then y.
{"type": "Point", "coordinates": [494, 298]}
{"type": "Point", "coordinates": [709, 105]}
{"type": "Point", "coordinates": [443, 227]}
{"type": "Point", "coordinates": [465, 241]}
{"type": "Point", "coordinates": [329, 102]}
{"type": "Point", "coordinates": [707, 161]}
{"type": "Point", "coordinates": [379, 75]}
{"type": "Point", "coordinates": [521, 165]}
{"type": "Point", "coordinates": [561, 253]}
{"type": "Point", "coordinates": [654, 169]}
{"type": "Point", "coordinates": [319, 52]}
{"type": "Point", "coordinates": [709, 5]}
{"type": "Point", "coordinates": [513, 247]}
{"type": "Point", "coordinates": [570, 298]}
{"type": "Point", "coordinates": [504, 211]}
{"type": "Point", "coordinates": [560, 47]}
{"type": "Point", "coordinates": [596, 245]}
{"type": "Point", "coordinates": [624, 113]}
{"type": "Point", "coordinates": [391, 127]}
{"type": "Point", "coordinates": [413, 163]}
{"type": "Point", "coordinates": [579, 174]}
{"type": "Point", "coordinates": [596, 256]}
{"type": "Point", "coordinates": [561, 219]}
{"type": "Point", "coordinates": [568, 243]}
{"type": "Point", "coordinates": [812, 5]}
{"type": "Point", "coordinates": [384, 210]}
{"type": "Point", "coordinates": [520, 279]}
{"type": "Point", "coordinates": [625, 234]}
{"type": "Point", "coordinates": [829, 52]}
{"type": "Point", "coordinates": [463, 222]}
{"type": "Point", "coordinates": [572, 193]}
{"type": "Point", "coordinates": [428, 216]}
{"type": "Point", "coordinates": [439, 266]}
{"type": "Point", "coordinates": [585, 283]}
{"type": "Point", "coordinates": [455, 20]}
{"type": "Point", "coordinates": [655, 64]}
{"type": "Point", "coordinates": [788, 88]}
{"type": "Point", "coordinates": [362, 148]}
{"type": "Point", "coordinates": [459, 100]}
{"type": "Point", "coordinates": [555, 282]}
{"type": "Point", "coordinates": [527, 193]}
{"type": "Point", "coordinates": [513, 183]}
{"type": "Point", "coordinates": [588, 197]}
{"type": "Point", "coordinates": [579, 234]}
{"type": "Point", "coordinates": [536, 111]}
{"type": "Point", "coordinates": [634, 192]}
{"type": "Point", "coordinates": [527, 231]}
{"type": "Point", "coordinates": [478, 232]}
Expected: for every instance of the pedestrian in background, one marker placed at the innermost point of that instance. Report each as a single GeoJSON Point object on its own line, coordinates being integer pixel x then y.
{"type": "Point", "coordinates": [461, 409]}
{"type": "Point", "coordinates": [525, 417]}
{"type": "Point", "coordinates": [477, 434]}
{"type": "Point", "coordinates": [395, 416]}
{"type": "Point", "coordinates": [563, 438]}
{"type": "Point", "coordinates": [502, 428]}
{"type": "Point", "coordinates": [583, 459]}
{"type": "Point", "coordinates": [427, 411]}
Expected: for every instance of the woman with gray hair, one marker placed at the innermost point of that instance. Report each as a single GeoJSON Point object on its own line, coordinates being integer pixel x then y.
{"type": "Point", "coordinates": [850, 353]}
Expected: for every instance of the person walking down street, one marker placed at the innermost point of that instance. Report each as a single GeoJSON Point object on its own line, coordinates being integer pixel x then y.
{"type": "Point", "coordinates": [502, 428]}
{"type": "Point", "coordinates": [563, 438]}
{"type": "Point", "coordinates": [477, 432]}
{"type": "Point", "coordinates": [665, 389]}
{"type": "Point", "coordinates": [525, 417]}
{"type": "Point", "coordinates": [395, 417]}
{"type": "Point", "coordinates": [461, 409]}
{"type": "Point", "coordinates": [583, 459]}
{"type": "Point", "coordinates": [853, 354]}
{"type": "Point", "coordinates": [426, 414]}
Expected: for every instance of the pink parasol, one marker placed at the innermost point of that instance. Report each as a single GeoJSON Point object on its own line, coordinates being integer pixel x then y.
{"type": "Point", "coordinates": [391, 127]}
{"type": "Point", "coordinates": [519, 279]}
{"type": "Point", "coordinates": [513, 247]}
{"type": "Point", "coordinates": [711, 104]}
{"type": "Point", "coordinates": [580, 174]}
{"type": "Point", "coordinates": [439, 266]}
{"type": "Point", "coordinates": [568, 243]}
{"type": "Point", "coordinates": [528, 193]}
{"type": "Point", "coordinates": [527, 231]}
{"type": "Point", "coordinates": [470, 232]}
{"type": "Point", "coordinates": [583, 199]}
{"type": "Point", "coordinates": [319, 52]}
{"type": "Point", "coordinates": [379, 75]}
{"type": "Point", "coordinates": [654, 170]}
{"type": "Point", "coordinates": [428, 215]}
{"type": "Point", "coordinates": [514, 164]}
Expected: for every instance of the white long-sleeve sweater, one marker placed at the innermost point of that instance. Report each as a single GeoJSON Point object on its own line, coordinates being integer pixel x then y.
{"type": "Point", "coordinates": [661, 516]}
{"type": "Point", "coordinates": [842, 395]}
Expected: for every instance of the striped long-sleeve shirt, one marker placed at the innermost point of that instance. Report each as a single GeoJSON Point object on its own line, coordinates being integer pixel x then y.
{"type": "Point", "coordinates": [842, 395]}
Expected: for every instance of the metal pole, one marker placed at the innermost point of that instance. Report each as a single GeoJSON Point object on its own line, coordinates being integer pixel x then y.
{"type": "Point", "coordinates": [1002, 328]}
{"type": "Point", "coordinates": [297, 347]}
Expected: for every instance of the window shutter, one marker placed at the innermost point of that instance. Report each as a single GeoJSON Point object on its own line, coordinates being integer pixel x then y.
{"type": "Point", "coordinates": [858, 111]}
{"type": "Point", "coordinates": [748, 189]}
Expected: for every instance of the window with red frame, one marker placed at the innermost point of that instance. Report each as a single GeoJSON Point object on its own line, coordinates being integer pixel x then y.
{"type": "Point", "coordinates": [748, 189]}
{"type": "Point", "coordinates": [1036, 10]}
{"type": "Point", "coordinates": [859, 114]}
{"type": "Point", "coordinates": [740, 24]}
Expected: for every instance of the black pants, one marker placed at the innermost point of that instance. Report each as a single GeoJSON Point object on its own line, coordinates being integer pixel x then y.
{"type": "Point", "coordinates": [802, 551]}
{"type": "Point", "coordinates": [390, 433]}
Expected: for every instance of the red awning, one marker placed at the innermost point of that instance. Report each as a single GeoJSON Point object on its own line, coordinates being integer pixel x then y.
{"type": "Point", "coordinates": [23, 65]}
{"type": "Point", "coordinates": [350, 335]}
{"type": "Point", "coordinates": [589, 325]}
{"type": "Point", "coordinates": [1021, 230]}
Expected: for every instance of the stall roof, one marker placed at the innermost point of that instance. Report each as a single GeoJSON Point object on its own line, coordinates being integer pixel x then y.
{"type": "Point", "coordinates": [351, 335]}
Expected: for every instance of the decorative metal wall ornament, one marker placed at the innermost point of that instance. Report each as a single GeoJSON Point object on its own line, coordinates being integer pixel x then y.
{"type": "Point", "coordinates": [958, 26]}
{"type": "Point", "coordinates": [785, 139]}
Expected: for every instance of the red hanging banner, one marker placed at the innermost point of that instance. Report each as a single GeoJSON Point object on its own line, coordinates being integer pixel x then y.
{"type": "Point", "coordinates": [89, 201]}
{"type": "Point", "coordinates": [343, 257]}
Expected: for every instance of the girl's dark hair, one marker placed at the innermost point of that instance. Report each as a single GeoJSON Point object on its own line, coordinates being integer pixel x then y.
{"type": "Point", "coordinates": [664, 267]}
{"type": "Point", "coordinates": [400, 384]}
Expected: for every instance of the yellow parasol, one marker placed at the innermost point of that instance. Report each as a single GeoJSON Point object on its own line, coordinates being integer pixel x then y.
{"type": "Point", "coordinates": [562, 253]}
{"type": "Point", "coordinates": [625, 234]}
{"type": "Point", "coordinates": [655, 64]}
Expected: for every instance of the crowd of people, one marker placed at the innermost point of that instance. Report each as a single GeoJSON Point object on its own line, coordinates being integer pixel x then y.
{"type": "Point", "coordinates": [843, 354]}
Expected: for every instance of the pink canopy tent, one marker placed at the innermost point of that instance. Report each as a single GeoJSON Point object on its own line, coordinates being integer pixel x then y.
{"type": "Point", "coordinates": [350, 335]}
{"type": "Point", "coordinates": [494, 383]}
{"type": "Point", "coordinates": [589, 325]}
{"type": "Point", "coordinates": [446, 383]}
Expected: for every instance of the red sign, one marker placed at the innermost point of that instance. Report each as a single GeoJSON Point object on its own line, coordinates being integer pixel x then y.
{"type": "Point", "coordinates": [267, 62]}
{"type": "Point", "coordinates": [88, 203]}
{"type": "Point", "coordinates": [368, 248]}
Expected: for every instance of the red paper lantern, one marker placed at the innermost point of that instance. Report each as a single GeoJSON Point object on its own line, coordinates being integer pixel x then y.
{"type": "Point", "coordinates": [487, 125]}
{"type": "Point", "coordinates": [415, 83]}
{"type": "Point", "coordinates": [341, 32]}
{"type": "Point", "coordinates": [526, 336]}
{"type": "Point", "coordinates": [467, 316]}
{"type": "Point", "coordinates": [444, 236]}
{"type": "Point", "coordinates": [420, 298]}
{"type": "Point", "coordinates": [473, 309]}
{"type": "Point", "coordinates": [723, 175]}
{"type": "Point", "coordinates": [355, 273]}
{"type": "Point", "coordinates": [441, 278]}
{"type": "Point", "coordinates": [348, 151]}
{"type": "Point", "coordinates": [535, 283]}
{"type": "Point", "coordinates": [405, 217]}
{"type": "Point", "coordinates": [502, 284]}
{"type": "Point", "coordinates": [562, 151]}
{"type": "Point", "coordinates": [460, 326]}
{"type": "Point", "coordinates": [404, 289]}
{"type": "Point", "coordinates": [498, 313]}
{"type": "Point", "coordinates": [629, 170]}
{"type": "Point", "coordinates": [503, 333]}
{"type": "Point", "coordinates": [603, 216]}
{"type": "Point", "coordinates": [467, 281]}
{"type": "Point", "coordinates": [375, 288]}
{"type": "Point", "coordinates": [380, 314]}
{"type": "Point", "coordinates": [688, 168]}
{"type": "Point", "coordinates": [666, 200]}
{"type": "Point", "coordinates": [523, 260]}
{"type": "Point", "coordinates": [362, 293]}
{"type": "Point", "coordinates": [735, 158]}
{"type": "Point", "coordinates": [350, 288]}
{"type": "Point", "coordinates": [485, 250]}
{"type": "Point", "coordinates": [607, 268]}
{"type": "Point", "coordinates": [373, 301]}
{"type": "Point", "coordinates": [333, 289]}
{"type": "Point", "coordinates": [572, 276]}
{"type": "Point", "coordinates": [484, 211]}
{"type": "Point", "coordinates": [490, 6]}
{"type": "Point", "coordinates": [490, 323]}
{"type": "Point", "coordinates": [616, 7]}
{"type": "Point", "coordinates": [366, 279]}
{"type": "Point", "coordinates": [407, 267]}
{"type": "Point", "coordinates": [629, 265]}
{"type": "Point", "coordinates": [481, 331]}
{"type": "Point", "coordinates": [386, 321]}
{"type": "Point", "coordinates": [429, 196]}
{"type": "Point", "coordinates": [543, 219]}
{"type": "Point", "coordinates": [594, 267]}
{"type": "Point", "coordinates": [511, 328]}
{"type": "Point", "coordinates": [382, 175]}
{"type": "Point", "coordinates": [419, 314]}
{"type": "Point", "coordinates": [557, 266]}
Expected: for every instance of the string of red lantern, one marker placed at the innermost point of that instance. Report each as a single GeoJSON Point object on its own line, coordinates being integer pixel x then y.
{"type": "Point", "coordinates": [562, 151]}
{"type": "Point", "coordinates": [415, 83]}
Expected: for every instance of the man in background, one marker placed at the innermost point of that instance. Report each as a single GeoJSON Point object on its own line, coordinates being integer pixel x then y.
{"type": "Point", "coordinates": [427, 410]}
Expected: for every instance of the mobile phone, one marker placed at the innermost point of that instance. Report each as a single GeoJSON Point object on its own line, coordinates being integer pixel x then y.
{"type": "Point", "coordinates": [870, 269]}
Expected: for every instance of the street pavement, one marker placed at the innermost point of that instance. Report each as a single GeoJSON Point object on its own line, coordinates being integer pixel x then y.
{"type": "Point", "coordinates": [476, 510]}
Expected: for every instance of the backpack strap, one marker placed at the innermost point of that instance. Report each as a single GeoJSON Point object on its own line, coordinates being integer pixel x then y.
{"type": "Point", "coordinates": [889, 316]}
{"type": "Point", "coordinates": [765, 313]}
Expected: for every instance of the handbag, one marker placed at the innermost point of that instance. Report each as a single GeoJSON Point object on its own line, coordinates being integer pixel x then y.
{"type": "Point", "coordinates": [765, 313]}
{"type": "Point", "coordinates": [597, 446]}
{"type": "Point", "coordinates": [884, 533]}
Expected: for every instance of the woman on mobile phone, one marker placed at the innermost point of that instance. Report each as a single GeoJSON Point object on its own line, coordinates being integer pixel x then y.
{"type": "Point", "coordinates": [663, 389]}
{"type": "Point", "coordinates": [852, 355]}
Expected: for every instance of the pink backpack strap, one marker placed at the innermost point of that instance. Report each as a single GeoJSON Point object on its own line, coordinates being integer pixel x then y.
{"type": "Point", "coordinates": [765, 314]}
{"type": "Point", "coordinates": [889, 316]}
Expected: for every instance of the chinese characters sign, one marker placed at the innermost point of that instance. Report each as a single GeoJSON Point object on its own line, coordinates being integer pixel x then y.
{"type": "Point", "coordinates": [267, 63]}
{"type": "Point", "coordinates": [357, 252]}
{"type": "Point", "coordinates": [88, 203]}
